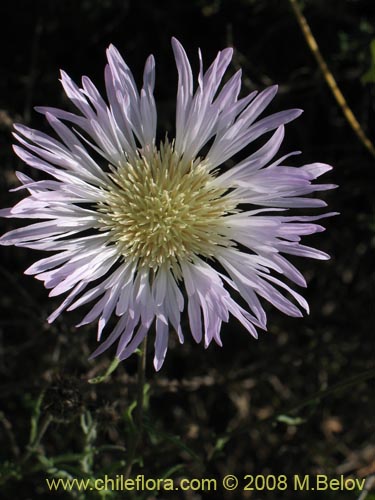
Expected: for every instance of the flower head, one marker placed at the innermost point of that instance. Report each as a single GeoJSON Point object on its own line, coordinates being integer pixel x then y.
{"type": "Point", "coordinates": [132, 224]}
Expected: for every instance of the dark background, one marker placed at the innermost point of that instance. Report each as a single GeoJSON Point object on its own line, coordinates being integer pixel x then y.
{"type": "Point", "coordinates": [211, 412]}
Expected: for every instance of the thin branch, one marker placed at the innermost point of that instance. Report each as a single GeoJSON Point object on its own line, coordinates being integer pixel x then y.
{"type": "Point", "coordinates": [343, 384]}
{"type": "Point", "coordinates": [370, 482]}
{"type": "Point", "coordinates": [340, 99]}
{"type": "Point", "coordinates": [312, 399]}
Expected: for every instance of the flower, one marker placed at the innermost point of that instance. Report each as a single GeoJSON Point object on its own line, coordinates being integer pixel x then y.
{"type": "Point", "coordinates": [131, 223]}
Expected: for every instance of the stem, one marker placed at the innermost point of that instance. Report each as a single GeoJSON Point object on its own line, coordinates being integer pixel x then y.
{"type": "Point", "coordinates": [312, 398]}
{"type": "Point", "coordinates": [138, 419]}
{"type": "Point", "coordinates": [32, 447]}
{"type": "Point", "coordinates": [141, 385]}
{"type": "Point", "coordinates": [368, 485]}
{"type": "Point", "coordinates": [329, 78]}
{"type": "Point", "coordinates": [344, 384]}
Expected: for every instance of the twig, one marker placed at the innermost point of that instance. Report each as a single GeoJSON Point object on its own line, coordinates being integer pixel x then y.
{"type": "Point", "coordinates": [32, 447]}
{"type": "Point", "coordinates": [340, 99]}
{"type": "Point", "coordinates": [370, 481]}
{"type": "Point", "coordinates": [344, 384]}
{"type": "Point", "coordinates": [9, 432]}
{"type": "Point", "coordinates": [312, 398]}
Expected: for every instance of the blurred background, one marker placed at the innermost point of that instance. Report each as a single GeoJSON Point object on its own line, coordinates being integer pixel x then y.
{"type": "Point", "coordinates": [298, 400]}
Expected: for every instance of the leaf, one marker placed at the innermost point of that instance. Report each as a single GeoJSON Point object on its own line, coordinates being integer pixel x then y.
{"type": "Point", "coordinates": [286, 419]}
{"type": "Point", "coordinates": [176, 440]}
{"type": "Point", "coordinates": [128, 415]}
{"type": "Point", "coordinates": [169, 473]}
{"type": "Point", "coordinates": [102, 378]}
{"type": "Point", "coordinates": [220, 443]}
{"type": "Point", "coordinates": [369, 76]}
{"type": "Point", "coordinates": [35, 418]}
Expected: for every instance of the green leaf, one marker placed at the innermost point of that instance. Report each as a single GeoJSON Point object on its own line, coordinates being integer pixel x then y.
{"type": "Point", "coordinates": [35, 418]}
{"type": "Point", "coordinates": [128, 415]}
{"type": "Point", "coordinates": [9, 470]}
{"type": "Point", "coordinates": [369, 76]}
{"type": "Point", "coordinates": [102, 378]}
{"type": "Point", "coordinates": [172, 470]}
{"type": "Point", "coordinates": [286, 419]}
{"type": "Point", "coordinates": [176, 440]}
{"type": "Point", "coordinates": [114, 467]}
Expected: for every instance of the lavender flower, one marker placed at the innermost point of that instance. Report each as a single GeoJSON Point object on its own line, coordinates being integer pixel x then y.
{"type": "Point", "coordinates": [128, 232]}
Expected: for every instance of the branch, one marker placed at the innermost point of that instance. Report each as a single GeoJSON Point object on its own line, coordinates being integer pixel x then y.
{"type": "Point", "coordinates": [340, 99]}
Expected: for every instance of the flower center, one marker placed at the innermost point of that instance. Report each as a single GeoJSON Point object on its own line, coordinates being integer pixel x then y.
{"type": "Point", "coordinates": [161, 209]}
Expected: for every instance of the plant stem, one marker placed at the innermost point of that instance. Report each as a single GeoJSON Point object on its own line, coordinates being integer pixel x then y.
{"type": "Point", "coordinates": [311, 399]}
{"type": "Point", "coordinates": [32, 447]}
{"type": "Point", "coordinates": [138, 419]}
{"type": "Point", "coordinates": [141, 386]}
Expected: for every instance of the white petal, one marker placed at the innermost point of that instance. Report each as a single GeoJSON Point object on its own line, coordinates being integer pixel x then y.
{"type": "Point", "coordinates": [161, 344]}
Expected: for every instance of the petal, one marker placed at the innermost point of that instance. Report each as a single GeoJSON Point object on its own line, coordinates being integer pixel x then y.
{"type": "Point", "coordinates": [161, 343]}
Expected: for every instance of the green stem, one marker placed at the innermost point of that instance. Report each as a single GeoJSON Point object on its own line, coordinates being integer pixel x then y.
{"type": "Point", "coordinates": [312, 398]}
{"type": "Point", "coordinates": [344, 384]}
{"type": "Point", "coordinates": [138, 420]}
{"type": "Point", "coordinates": [32, 447]}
